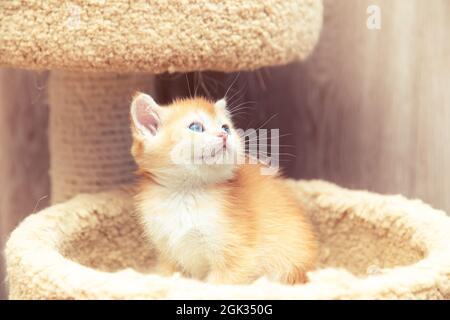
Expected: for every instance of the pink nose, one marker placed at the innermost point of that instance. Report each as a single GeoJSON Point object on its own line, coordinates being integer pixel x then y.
{"type": "Point", "coordinates": [224, 137]}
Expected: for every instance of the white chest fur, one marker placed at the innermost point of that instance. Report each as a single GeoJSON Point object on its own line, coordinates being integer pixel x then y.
{"type": "Point", "coordinates": [188, 227]}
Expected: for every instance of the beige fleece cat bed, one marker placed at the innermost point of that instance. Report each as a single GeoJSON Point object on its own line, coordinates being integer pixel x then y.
{"type": "Point", "coordinates": [372, 246]}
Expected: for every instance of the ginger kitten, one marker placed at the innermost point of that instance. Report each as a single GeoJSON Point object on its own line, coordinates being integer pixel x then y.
{"type": "Point", "coordinates": [208, 216]}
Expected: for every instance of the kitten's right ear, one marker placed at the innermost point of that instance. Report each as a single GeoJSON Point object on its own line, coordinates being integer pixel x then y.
{"type": "Point", "coordinates": [146, 115]}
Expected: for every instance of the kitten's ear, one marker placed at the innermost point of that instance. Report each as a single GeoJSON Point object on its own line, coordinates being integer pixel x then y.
{"type": "Point", "coordinates": [222, 104]}
{"type": "Point", "coordinates": [145, 115]}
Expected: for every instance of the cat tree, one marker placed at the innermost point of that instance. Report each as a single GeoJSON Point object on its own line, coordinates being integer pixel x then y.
{"type": "Point", "coordinates": [90, 246]}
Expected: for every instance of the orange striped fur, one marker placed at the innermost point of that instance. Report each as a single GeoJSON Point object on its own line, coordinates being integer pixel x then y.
{"type": "Point", "coordinates": [219, 223]}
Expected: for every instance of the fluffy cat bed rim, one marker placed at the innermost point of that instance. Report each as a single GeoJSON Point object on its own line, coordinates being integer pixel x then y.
{"type": "Point", "coordinates": [372, 246]}
{"type": "Point", "coordinates": [173, 36]}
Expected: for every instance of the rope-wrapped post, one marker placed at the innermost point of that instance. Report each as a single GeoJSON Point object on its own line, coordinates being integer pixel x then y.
{"type": "Point", "coordinates": [89, 136]}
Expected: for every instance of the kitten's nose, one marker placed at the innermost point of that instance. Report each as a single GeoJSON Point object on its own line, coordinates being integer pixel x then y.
{"type": "Point", "coordinates": [224, 137]}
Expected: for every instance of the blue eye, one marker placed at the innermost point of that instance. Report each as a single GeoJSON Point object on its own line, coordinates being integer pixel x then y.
{"type": "Point", "coordinates": [226, 128]}
{"type": "Point", "coordinates": [197, 127]}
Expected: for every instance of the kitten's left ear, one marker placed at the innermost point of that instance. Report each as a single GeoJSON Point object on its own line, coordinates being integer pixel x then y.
{"type": "Point", "coordinates": [222, 104]}
{"type": "Point", "coordinates": [146, 115]}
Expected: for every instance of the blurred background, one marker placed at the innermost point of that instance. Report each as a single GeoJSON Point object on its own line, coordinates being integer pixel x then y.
{"type": "Point", "coordinates": [369, 109]}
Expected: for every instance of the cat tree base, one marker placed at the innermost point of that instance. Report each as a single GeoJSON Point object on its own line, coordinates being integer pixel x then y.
{"type": "Point", "coordinates": [372, 247]}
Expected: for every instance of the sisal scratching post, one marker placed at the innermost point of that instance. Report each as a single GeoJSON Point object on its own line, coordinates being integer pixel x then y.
{"type": "Point", "coordinates": [89, 130]}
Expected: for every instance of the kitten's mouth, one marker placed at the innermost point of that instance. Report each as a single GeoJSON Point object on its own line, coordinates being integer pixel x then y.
{"type": "Point", "coordinates": [214, 152]}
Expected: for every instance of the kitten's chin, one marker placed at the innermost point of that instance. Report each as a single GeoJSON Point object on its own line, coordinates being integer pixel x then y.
{"type": "Point", "coordinates": [200, 171]}
{"type": "Point", "coordinates": [194, 176]}
{"type": "Point", "coordinates": [216, 173]}
{"type": "Point", "coordinates": [213, 172]}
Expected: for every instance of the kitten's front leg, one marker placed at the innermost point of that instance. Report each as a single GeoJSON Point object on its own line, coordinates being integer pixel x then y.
{"type": "Point", "coordinates": [230, 276]}
{"type": "Point", "coordinates": [235, 266]}
{"type": "Point", "coordinates": [166, 267]}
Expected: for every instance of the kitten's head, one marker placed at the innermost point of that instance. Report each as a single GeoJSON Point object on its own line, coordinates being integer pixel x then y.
{"type": "Point", "coordinates": [191, 141]}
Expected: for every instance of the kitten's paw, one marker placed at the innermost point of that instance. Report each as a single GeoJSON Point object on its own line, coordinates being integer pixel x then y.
{"type": "Point", "coordinates": [215, 278]}
{"type": "Point", "coordinates": [165, 272]}
{"type": "Point", "coordinates": [295, 276]}
{"type": "Point", "coordinates": [166, 269]}
{"type": "Point", "coordinates": [220, 277]}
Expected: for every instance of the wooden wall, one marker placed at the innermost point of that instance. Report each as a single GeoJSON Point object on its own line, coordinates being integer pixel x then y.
{"type": "Point", "coordinates": [369, 109]}
{"type": "Point", "coordinates": [24, 180]}
{"type": "Point", "coordinates": [374, 106]}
